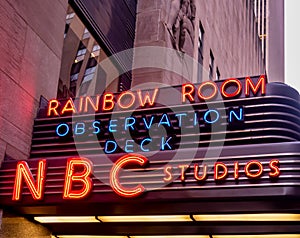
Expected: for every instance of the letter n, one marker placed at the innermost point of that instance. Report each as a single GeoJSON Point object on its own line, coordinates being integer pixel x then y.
{"type": "Point", "coordinates": [36, 188]}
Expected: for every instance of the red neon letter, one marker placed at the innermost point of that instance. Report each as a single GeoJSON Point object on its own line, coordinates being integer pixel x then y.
{"type": "Point", "coordinates": [130, 103]}
{"type": "Point", "coordinates": [82, 177]}
{"type": "Point", "coordinates": [108, 99]}
{"type": "Point", "coordinates": [248, 168]}
{"type": "Point", "coordinates": [236, 170]}
{"type": "Point", "coordinates": [69, 107]}
{"type": "Point", "coordinates": [52, 107]}
{"type": "Point", "coordinates": [274, 166]}
{"type": "Point", "coordinates": [80, 106]}
{"type": "Point", "coordinates": [206, 84]}
{"type": "Point", "coordinates": [147, 98]}
{"type": "Point", "coordinates": [236, 92]}
{"type": "Point", "coordinates": [168, 173]}
{"type": "Point", "coordinates": [114, 175]}
{"type": "Point", "coordinates": [187, 91]}
{"type": "Point", "coordinates": [22, 171]}
{"type": "Point", "coordinates": [261, 84]}
{"type": "Point", "coordinates": [219, 166]}
{"type": "Point", "coordinates": [95, 106]}
{"type": "Point", "coordinates": [183, 169]}
{"type": "Point", "coordinates": [196, 172]}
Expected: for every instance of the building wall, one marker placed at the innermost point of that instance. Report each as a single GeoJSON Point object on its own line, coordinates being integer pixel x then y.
{"type": "Point", "coordinates": [229, 32]}
{"type": "Point", "coordinates": [82, 64]}
{"type": "Point", "coordinates": [31, 51]}
{"type": "Point", "coordinates": [112, 23]}
{"type": "Point", "coordinates": [291, 43]}
{"type": "Point", "coordinates": [31, 35]}
{"type": "Point", "coordinates": [275, 41]}
{"type": "Point", "coordinates": [231, 35]}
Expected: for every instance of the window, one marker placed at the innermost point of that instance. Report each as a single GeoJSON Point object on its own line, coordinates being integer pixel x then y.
{"type": "Point", "coordinates": [69, 17]}
{"type": "Point", "coordinates": [80, 53]}
{"type": "Point", "coordinates": [200, 52]}
{"type": "Point", "coordinates": [88, 72]}
{"type": "Point", "coordinates": [218, 75]}
{"type": "Point", "coordinates": [76, 68]}
{"type": "Point", "coordinates": [211, 64]}
{"type": "Point", "coordinates": [87, 78]}
{"type": "Point", "coordinates": [91, 62]}
{"type": "Point", "coordinates": [67, 27]}
{"type": "Point", "coordinates": [95, 51]}
{"type": "Point", "coordinates": [74, 74]}
{"type": "Point", "coordinates": [86, 34]}
{"type": "Point", "coordinates": [96, 48]}
{"type": "Point", "coordinates": [200, 40]}
{"type": "Point", "coordinates": [74, 77]}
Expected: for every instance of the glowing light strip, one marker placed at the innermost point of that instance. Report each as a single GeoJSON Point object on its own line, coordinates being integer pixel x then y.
{"type": "Point", "coordinates": [66, 219]}
{"type": "Point", "coordinates": [89, 219]}
{"type": "Point", "coordinates": [249, 217]}
{"type": "Point", "coordinates": [171, 218]}
{"type": "Point", "coordinates": [92, 236]}
{"type": "Point", "coordinates": [163, 218]}
{"type": "Point", "coordinates": [259, 236]}
{"type": "Point", "coordinates": [191, 236]}
{"type": "Point", "coordinates": [170, 236]}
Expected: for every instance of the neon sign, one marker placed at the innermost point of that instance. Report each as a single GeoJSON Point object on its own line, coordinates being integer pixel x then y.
{"type": "Point", "coordinates": [78, 179]}
{"type": "Point", "coordinates": [125, 101]}
{"type": "Point", "coordinates": [79, 171]}
{"type": "Point", "coordinates": [36, 188]}
{"type": "Point", "coordinates": [114, 175]}
{"type": "Point", "coordinates": [105, 127]}
{"type": "Point", "coordinates": [83, 177]}
{"type": "Point", "coordinates": [252, 169]}
{"type": "Point", "coordinates": [168, 121]}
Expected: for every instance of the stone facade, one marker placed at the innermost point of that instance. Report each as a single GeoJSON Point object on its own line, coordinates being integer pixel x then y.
{"type": "Point", "coordinates": [31, 50]}
{"type": "Point", "coordinates": [275, 41]}
{"type": "Point", "coordinates": [31, 35]}
{"type": "Point", "coordinates": [229, 33]}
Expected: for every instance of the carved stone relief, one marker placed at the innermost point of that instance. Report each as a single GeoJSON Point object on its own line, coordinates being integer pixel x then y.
{"type": "Point", "coordinates": [180, 23]}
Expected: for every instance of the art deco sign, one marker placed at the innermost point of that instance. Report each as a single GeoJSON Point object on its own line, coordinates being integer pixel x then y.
{"type": "Point", "coordinates": [154, 141]}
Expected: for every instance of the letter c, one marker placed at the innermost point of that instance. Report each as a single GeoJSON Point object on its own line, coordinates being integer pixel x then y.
{"type": "Point", "coordinates": [114, 175]}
